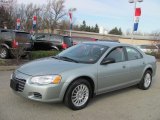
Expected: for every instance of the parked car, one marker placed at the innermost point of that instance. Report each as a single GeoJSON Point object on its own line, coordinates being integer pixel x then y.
{"type": "Point", "coordinates": [77, 39]}
{"type": "Point", "coordinates": [12, 39]}
{"type": "Point", "coordinates": [148, 48]}
{"type": "Point", "coordinates": [46, 41]}
{"type": "Point", "coordinates": [82, 71]}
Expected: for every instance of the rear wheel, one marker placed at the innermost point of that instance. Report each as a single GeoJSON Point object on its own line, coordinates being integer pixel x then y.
{"type": "Point", "coordinates": [78, 94]}
{"type": "Point", "coordinates": [146, 80]}
{"type": "Point", "coordinates": [4, 53]}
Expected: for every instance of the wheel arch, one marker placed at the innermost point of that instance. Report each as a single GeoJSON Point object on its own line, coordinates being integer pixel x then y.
{"type": "Point", "coordinates": [150, 69]}
{"type": "Point", "coordinates": [89, 79]}
{"type": "Point", "coordinates": [5, 45]}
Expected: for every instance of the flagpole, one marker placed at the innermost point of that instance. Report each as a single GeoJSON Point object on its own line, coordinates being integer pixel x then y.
{"type": "Point", "coordinates": [135, 4]}
{"type": "Point", "coordinates": [71, 10]}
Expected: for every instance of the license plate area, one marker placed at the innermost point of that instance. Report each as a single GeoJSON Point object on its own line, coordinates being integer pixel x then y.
{"type": "Point", "coordinates": [14, 85]}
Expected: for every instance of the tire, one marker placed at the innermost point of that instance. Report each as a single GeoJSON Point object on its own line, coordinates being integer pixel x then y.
{"type": "Point", "coordinates": [74, 94]}
{"type": "Point", "coordinates": [4, 53]}
{"type": "Point", "coordinates": [146, 80]}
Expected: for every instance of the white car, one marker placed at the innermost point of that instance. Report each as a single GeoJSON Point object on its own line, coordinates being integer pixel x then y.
{"type": "Point", "coordinates": [148, 48]}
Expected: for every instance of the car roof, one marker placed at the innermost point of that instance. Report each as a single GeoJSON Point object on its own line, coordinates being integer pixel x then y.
{"type": "Point", "coordinates": [109, 44]}
{"type": "Point", "coordinates": [11, 30]}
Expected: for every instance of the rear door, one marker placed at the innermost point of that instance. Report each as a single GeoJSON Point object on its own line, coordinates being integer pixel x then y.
{"type": "Point", "coordinates": [135, 63]}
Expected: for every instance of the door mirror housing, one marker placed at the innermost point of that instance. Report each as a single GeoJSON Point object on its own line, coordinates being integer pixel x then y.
{"type": "Point", "coordinates": [108, 61]}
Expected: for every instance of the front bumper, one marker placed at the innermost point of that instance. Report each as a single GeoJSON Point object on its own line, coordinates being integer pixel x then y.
{"type": "Point", "coordinates": [42, 93]}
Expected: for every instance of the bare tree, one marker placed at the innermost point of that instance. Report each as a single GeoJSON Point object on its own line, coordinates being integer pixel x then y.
{"type": "Point", "coordinates": [55, 12]}
{"type": "Point", "coordinates": [156, 35]}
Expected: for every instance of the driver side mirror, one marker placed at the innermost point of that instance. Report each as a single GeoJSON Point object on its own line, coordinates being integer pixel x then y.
{"type": "Point", "coordinates": [108, 61]}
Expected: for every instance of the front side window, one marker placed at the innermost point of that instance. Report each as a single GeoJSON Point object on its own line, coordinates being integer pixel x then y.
{"type": "Point", "coordinates": [117, 54]}
{"type": "Point", "coordinates": [133, 54]}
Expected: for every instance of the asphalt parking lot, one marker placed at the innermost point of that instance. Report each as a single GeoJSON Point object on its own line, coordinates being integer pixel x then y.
{"type": "Point", "coordinates": [127, 104]}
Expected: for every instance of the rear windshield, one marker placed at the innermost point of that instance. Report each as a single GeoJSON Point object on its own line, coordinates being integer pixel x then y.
{"type": "Point", "coordinates": [68, 41]}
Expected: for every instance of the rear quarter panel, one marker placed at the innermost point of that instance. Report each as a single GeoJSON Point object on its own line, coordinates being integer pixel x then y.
{"type": "Point", "coordinates": [150, 62]}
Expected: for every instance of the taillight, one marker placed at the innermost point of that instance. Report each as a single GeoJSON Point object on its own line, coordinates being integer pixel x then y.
{"type": "Point", "coordinates": [64, 46]}
{"type": "Point", "coordinates": [14, 44]}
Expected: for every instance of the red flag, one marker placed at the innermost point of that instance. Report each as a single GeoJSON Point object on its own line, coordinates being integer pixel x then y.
{"type": "Point", "coordinates": [70, 16]}
{"type": "Point", "coordinates": [18, 20]}
{"type": "Point", "coordinates": [35, 18]}
{"type": "Point", "coordinates": [138, 12]}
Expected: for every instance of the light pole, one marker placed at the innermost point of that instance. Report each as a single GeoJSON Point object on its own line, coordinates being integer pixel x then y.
{"type": "Point", "coordinates": [70, 12]}
{"type": "Point", "coordinates": [135, 4]}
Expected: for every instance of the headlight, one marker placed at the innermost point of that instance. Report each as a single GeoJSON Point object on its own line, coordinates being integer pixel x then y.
{"type": "Point", "coordinates": [48, 79]}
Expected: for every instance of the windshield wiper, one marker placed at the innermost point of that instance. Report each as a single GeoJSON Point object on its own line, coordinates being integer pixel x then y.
{"type": "Point", "coordinates": [55, 57]}
{"type": "Point", "coordinates": [68, 59]}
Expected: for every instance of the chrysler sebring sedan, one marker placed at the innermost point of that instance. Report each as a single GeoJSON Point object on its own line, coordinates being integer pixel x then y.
{"type": "Point", "coordinates": [83, 71]}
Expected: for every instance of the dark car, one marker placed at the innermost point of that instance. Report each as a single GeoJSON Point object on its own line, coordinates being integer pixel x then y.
{"type": "Point", "coordinates": [77, 39]}
{"type": "Point", "coordinates": [46, 41]}
{"type": "Point", "coordinates": [12, 39]}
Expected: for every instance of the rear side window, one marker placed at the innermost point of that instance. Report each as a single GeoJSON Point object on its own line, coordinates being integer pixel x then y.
{"type": "Point", "coordinates": [41, 37]}
{"type": "Point", "coordinates": [133, 54]}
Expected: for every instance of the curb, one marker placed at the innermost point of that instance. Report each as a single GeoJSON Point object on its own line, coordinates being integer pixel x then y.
{"type": "Point", "coordinates": [7, 68]}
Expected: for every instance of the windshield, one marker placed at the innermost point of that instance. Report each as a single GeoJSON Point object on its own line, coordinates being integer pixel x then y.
{"type": "Point", "coordinates": [84, 53]}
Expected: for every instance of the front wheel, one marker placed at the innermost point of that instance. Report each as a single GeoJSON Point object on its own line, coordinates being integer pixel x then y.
{"type": "Point", "coordinates": [146, 80]}
{"type": "Point", "coordinates": [78, 94]}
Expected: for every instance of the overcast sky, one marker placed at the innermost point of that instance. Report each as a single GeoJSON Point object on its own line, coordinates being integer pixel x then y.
{"type": "Point", "coordinates": [112, 13]}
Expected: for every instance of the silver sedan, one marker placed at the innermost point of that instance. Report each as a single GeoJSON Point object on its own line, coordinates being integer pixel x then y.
{"type": "Point", "coordinates": [83, 71]}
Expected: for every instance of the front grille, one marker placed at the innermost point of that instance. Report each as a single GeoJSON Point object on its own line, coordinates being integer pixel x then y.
{"type": "Point", "coordinates": [21, 84]}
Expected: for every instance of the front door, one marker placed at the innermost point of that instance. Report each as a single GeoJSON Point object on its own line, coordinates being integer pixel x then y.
{"type": "Point", "coordinates": [113, 75]}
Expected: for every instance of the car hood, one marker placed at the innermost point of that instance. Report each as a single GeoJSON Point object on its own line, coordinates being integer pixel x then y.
{"type": "Point", "coordinates": [48, 66]}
